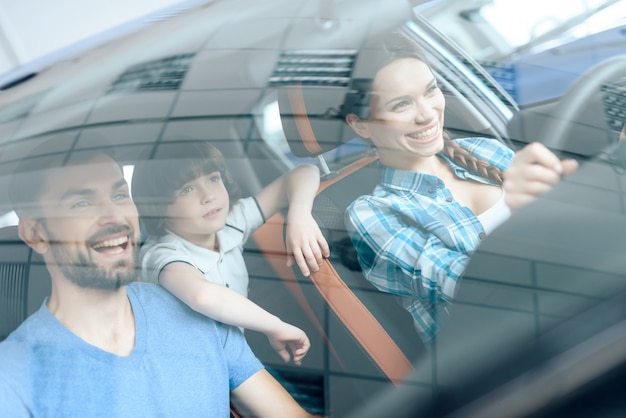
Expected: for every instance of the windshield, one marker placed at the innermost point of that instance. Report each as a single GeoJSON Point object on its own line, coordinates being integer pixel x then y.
{"type": "Point", "coordinates": [502, 27]}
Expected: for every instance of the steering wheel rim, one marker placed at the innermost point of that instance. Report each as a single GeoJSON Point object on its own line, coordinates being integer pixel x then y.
{"type": "Point", "coordinates": [573, 102]}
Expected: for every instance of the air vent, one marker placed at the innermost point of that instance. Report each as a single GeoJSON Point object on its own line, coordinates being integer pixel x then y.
{"type": "Point", "coordinates": [504, 74]}
{"type": "Point", "coordinates": [163, 74]}
{"type": "Point", "coordinates": [314, 67]}
{"type": "Point", "coordinates": [614, 98]}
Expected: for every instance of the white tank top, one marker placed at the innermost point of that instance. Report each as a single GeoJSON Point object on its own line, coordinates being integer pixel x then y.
{"type": "Point", "coordinates": [495, 215]}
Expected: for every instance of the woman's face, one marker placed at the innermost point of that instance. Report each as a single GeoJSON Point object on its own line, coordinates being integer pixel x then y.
{"type": "Point", "coordinates": [406, 119]}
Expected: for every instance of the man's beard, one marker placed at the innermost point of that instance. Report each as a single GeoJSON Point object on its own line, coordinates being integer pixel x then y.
{"type": "Point", "coordinates": [81, 270]}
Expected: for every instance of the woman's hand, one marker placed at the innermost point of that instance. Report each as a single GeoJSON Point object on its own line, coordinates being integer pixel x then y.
{"type": "Point", "coordinates": [534, 171]}
{"type": "Point", "coordinates": [289, 336]}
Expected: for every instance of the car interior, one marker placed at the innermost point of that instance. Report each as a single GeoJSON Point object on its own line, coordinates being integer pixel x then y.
{"type": "Point", "coordinates": [349, 339]}
{"type": "Point", "coordinates": [363, 343]}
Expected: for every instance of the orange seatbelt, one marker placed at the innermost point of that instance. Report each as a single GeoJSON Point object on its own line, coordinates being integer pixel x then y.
{"type": "Point", "coordinates": [302, 120]}
{"type": "Point", "coordinates": [270, 242]}
{"type": "Point", "coordinates": [234, 414]}
{"type": "Point", "coordinates": [364, 327]}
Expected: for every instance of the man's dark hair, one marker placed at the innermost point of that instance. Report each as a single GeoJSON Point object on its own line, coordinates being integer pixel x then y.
{"type": "Point", "coordinates": [156, 181]}
{"type": "Point", "coordinates": [27, 181]}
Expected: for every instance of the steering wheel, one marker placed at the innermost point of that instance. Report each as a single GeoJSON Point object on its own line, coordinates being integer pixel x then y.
{"type": "Point", "coordinates": [575, 102]}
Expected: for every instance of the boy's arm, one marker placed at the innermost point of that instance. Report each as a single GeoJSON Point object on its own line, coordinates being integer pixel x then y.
{"type": "Point", "coordinates": [225, 305]}
{"type": "Point", "coordinates": [262, 396]}
{"type": "Point", "coordinates": [306, 244]}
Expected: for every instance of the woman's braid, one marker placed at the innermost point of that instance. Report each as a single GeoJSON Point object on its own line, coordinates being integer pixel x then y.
{"type": "Point", "coordinates": [466, 160]}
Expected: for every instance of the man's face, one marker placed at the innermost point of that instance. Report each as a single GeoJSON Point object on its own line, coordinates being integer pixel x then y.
{"type": "Point", "coordinates": [91, 224]}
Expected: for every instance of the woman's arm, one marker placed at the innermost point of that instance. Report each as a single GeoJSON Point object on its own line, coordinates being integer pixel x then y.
{"type": "Point", "coordinates": [225, 305]}
{"type": "Point", "coordinates": [306, 244]}
{"type": "Point", "coordinates": [534, 171]}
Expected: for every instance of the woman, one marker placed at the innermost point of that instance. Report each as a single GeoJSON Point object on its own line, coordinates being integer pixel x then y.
{"type": "Point", "coordinates": [437, 198]}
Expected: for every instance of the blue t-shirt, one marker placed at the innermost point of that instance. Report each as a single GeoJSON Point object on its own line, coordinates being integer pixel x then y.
{"type": "Point", "coordinates": [183, 364]}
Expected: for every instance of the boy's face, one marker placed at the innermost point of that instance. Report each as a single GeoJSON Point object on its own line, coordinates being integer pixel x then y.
{"type": "Point", "coordinates": [89, 224]}
{"type": "Point", "coordinates": [199, 210]}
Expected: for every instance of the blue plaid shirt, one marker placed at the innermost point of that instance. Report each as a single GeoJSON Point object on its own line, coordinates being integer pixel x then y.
{"type": "Point", "coordinates": [414, 240]}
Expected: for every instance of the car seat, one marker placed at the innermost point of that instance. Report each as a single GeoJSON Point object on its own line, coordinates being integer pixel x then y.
{"type": "Point", "coordinates": [390, 332]}
{"type": "Point", "coordinates": [24, 280]}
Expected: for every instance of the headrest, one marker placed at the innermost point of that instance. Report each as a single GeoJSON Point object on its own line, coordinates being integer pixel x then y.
{"type": "Point", "coordinates": [14, 249]}
{"type": "Point", "coordinates": [316, 90]}
{"type": "Point", "coordinates": [312, 119]}
{"type": "Point", "coordinates": [313, 103]}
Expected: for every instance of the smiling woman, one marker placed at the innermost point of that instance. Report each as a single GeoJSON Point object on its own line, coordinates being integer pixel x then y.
{"type": "Point", "coordinates": [437, 197]}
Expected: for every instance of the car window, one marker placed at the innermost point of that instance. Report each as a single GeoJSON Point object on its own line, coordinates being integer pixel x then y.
{"type": "Point", "coordinates": [267, 84]}
{"type": "Point", "coordinates": [496, 24]}
{"type": "Point", "coordinates": [548, 56]}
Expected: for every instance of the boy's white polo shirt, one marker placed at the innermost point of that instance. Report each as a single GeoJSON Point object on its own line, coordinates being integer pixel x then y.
{"type": "Point", "coordinates": [226, 266]}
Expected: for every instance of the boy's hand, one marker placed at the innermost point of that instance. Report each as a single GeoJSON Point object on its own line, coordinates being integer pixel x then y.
{"type": "Point", "coordinates": [306, 245]}
{"type": "Point", "coordinates": [289, 336]}
{"type": "Point", "coordinates": [534, 171]}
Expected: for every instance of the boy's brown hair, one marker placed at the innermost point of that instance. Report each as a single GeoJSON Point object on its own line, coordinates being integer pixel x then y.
{"type": "Point", "coordinates": [156, 181]}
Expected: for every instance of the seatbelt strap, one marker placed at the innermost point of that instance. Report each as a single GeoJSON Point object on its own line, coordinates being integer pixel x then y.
{"type": "Point", "coordinates": [234, 414]}
{"type": "Point", "coordinates": [359, 321]}
{"type": "Point", "coordinates": [355, 316]}
{"type": "Point", "coordinates": [269, 238]}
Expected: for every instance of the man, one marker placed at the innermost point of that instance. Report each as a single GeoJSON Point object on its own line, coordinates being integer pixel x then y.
{"type": "Point", "coordinates": [103, 344]}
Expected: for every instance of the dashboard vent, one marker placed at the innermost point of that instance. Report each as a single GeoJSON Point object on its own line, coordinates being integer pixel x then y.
{"type": "Point", "coordinates": [314, 67]}
{"type": "Point", "coordinates": [614, 98]}
{"type": "Point", "coordinates": [163, 74]}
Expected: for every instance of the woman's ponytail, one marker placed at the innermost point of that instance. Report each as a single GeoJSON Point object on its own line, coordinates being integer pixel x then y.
{"type": "Point", "coordinates": [466, 160]}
